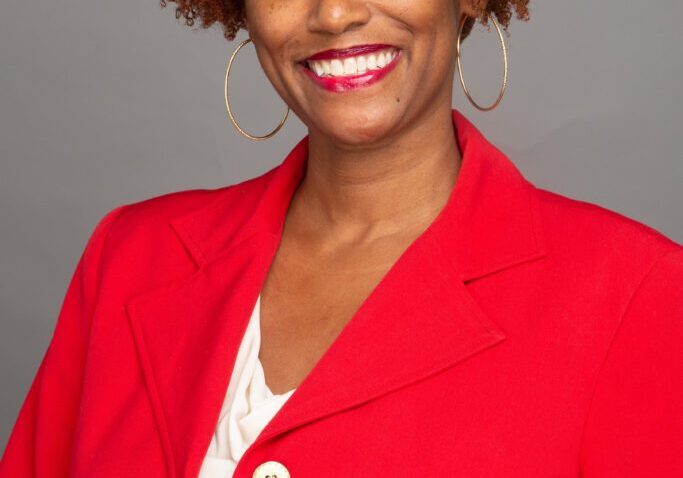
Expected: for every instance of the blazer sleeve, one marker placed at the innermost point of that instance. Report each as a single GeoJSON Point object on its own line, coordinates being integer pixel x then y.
{"type": "Point", "coordinates": [634, 427]}
{"type": "Point", "coordinates": [41, 440]}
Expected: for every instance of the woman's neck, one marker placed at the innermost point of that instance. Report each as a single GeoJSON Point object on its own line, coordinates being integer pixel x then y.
{"type": "Point", "coordinates": [379, 191]}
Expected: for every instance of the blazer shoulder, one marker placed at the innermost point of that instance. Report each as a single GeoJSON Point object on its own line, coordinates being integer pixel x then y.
{"type": "Point", "coordinates": [142, 250]}
{"type": "Point", "coordinates": [593, 232]}
{"type": "Point", "coordinates": [156, 211]}
{"type": "Point", "coordinates": [144, 226]}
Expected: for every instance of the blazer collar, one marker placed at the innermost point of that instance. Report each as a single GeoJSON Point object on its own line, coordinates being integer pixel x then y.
{"type": "Point", "coordinates": [490, 221]}
{"type": "Point", "coordinates": [420, 319]}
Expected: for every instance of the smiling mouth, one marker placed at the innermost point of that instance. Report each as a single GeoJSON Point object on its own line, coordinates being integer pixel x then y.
{"type": "Point", "coordinates": [351, 66]}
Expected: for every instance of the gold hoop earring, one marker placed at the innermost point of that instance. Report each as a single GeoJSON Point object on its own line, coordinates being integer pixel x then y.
{"type": "Point", "coordinates": [505, 65]}
{"type": "Point", "coordinates": [227, 102]}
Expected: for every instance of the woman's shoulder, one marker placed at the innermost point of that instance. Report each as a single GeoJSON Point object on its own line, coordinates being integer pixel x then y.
{"type": "Point", "coordinates": [145, 230]}
{"type": "Point", "coordinates": [597, 239]}
{"type": "Point", "coordinates": [139, 245]}
{"type": "Point", "coordinates": [154, 214]}
{"type": "Point", "coordinates": [173, 204]}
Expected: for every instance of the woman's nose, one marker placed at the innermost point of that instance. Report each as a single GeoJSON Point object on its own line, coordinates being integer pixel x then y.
{"type": "Point", "coordinates": [337, 16]}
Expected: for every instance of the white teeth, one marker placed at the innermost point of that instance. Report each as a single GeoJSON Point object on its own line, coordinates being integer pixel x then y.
{"type": "Point", "coordinates": [353, 65]}
{"type": "Point", "coordinates": [361, 66]}
{"type": "Point", "coordinates": [380, 60]}
{"type": "Point", "coordinates": [337, 68]}
{"type": "Point", "coordinates": [349, 66]}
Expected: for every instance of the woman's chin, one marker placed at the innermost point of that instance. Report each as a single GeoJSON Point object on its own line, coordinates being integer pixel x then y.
{"type": "Point", "coordinates": [356, 129]}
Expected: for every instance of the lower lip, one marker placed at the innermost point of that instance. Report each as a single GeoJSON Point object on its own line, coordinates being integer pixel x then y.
{"type": "Point", "coordinates": [346, 83]}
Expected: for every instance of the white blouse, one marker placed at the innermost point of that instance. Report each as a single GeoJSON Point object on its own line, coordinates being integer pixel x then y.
{"type": "Point", "coordinates": [247, 408]}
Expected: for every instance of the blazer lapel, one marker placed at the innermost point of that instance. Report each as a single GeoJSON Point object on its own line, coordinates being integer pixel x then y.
{"type": "Point", "coordinates": [419, 320]}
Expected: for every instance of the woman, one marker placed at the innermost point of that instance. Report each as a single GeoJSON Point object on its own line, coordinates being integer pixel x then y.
{"type": "Point", "coordinates": [394, 298]}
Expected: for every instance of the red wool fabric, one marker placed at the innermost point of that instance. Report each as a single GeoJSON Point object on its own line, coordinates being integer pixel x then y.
{"type": "Point", "coordinates": [523, 334]}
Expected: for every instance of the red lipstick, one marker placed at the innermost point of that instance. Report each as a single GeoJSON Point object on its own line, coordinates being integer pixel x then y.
{"type": "Point", "coordinates": [343, 83]}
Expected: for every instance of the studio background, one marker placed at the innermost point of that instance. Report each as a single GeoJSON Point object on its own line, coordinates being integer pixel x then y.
{"type": "Point", "coordinates": [106, 103]}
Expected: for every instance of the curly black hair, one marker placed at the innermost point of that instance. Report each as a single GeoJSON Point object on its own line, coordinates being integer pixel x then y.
{"type": "Point", "coordinates": [230, 14]}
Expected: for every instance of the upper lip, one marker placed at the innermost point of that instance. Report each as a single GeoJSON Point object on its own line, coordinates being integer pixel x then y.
{"type": "Point", "coordinates": [350, 51]}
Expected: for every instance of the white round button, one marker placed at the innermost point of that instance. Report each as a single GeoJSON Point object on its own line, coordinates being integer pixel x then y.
{"type": "Point", "coordinates": [271, 469]}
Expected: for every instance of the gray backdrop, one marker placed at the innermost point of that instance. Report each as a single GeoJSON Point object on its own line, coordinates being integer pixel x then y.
{"type": "Point", "coordinates": [104, 103]}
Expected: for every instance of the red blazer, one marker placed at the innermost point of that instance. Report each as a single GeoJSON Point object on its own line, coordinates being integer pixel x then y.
{"type": "Point", "coordinates": [523, 334]}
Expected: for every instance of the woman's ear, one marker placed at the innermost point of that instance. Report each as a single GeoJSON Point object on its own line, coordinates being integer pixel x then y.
{"type": "Point", "coordinates": [473, 8]}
